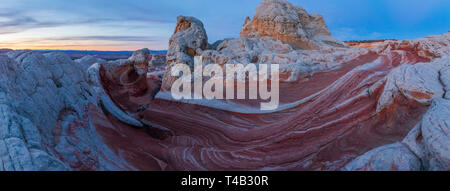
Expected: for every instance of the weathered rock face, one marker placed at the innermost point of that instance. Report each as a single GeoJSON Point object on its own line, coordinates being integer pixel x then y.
{"type": "Point", "coordinates": [44, 125]}
{"type": "Point", "coordinates": [430, 47]}
{"type": "Point", "coordinates": [140, 59]}
{"type": "Point", "coordinates": [291, 24]}
{"type": "Point", "coordinates": [381, 108]}
{"type": "Point", "coordinates": [395, 157]}
{"type": "Point", "coordinates": [336, 103]}
{"type": "Point", "coordinates": [427, 146]}
{"type": "Point", "coordinates": [420, 82]}
{"type": "Point", "coordinates": [244, 50]}
{"type": "Point", "coordinates": [188, 40]}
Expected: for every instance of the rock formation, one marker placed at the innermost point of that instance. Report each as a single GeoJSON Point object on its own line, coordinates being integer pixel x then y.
{"type": "Point", "coordinates": [157, 61]}
{"type": "Point", "coordinates": [45, 124]}
{"type": "Point", "coordinates": [384, 107]}
{"type": "Point", "coordinates": [291, 24]}
{"type": "Point", "coordinates": [141, 59]}
{"type": "Point", "coordinates": [188, 40]}
{"type": "Point", "coordinates": [261, 44]}
{"type": "Point", "coordinates": [425, 148]}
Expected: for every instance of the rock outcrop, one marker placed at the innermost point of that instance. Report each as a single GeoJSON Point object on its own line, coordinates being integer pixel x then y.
{"type": "Point", "coordinates": [394, 157]}
{"type": "Point", "coordinates": [420, 82]}
{"type": "Point", "coordinates": [157, 61]}
{"type": "Point", "coordinates": [188, 40]}
{"type": "Point", "coordinates": [384, 107]}
{"type": "Point", "coordinates": [430, 139]}
{"type": "Point", "coordinates": [425, 148]}
{"type": "Point", "coordinates": [141, 59]}
{"type": "Point", "coordinates": [291, 24]}
{"type": "Point", "coordinates": [435, 46]}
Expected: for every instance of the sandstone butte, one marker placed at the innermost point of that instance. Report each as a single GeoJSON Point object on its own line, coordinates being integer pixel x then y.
{"type": "Point", "coordinates": [383, 106]}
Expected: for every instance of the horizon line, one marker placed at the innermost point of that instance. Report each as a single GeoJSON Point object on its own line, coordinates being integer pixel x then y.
{"type": "Point", "coordinates": [82, 50]}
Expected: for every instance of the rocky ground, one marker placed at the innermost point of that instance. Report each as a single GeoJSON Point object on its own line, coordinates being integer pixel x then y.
{"type": "Point", "coordinates": [384, 106]}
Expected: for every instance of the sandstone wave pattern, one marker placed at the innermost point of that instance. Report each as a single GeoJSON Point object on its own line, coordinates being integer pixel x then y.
{"type": "Point", "coordinates": [382, 107]}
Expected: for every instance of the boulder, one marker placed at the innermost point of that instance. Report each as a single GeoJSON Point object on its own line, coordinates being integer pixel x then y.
{"type": "Point", "coordinates": [157, 61]}
{"type": "Point", "coordinates": [430, 140]}
{"type": "Point", "coordinates": [188, 40]}
{"type": "Point", "coordinates": [420, 82]}
{"type": "Point", "coordinates": [140, 60]}
{"type": "Point", "coordinates": [395, 157]}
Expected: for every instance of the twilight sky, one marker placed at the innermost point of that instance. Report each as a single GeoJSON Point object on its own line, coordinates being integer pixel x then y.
{"type": "Point", "coordinates": [134, 24]}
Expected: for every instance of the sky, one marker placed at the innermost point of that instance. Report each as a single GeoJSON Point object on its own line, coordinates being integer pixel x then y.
{"type": "Point", "coordinates": [135, 24]}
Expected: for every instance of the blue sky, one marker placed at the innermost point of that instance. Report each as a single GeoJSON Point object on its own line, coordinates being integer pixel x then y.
{"type": "Point", "coordinates": [133, 24]}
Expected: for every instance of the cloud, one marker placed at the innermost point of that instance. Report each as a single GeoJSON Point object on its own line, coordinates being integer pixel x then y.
{"type": "Point", "coordinates": [12, 22]}
{"type": "Point", "coordinates": [87, 40]}
{"type": "Point", "coordinates": [106, 38]}
{"type": "Point", "coordinates": [26, 15]}
{"type": "Point", "coordinates": [16, 22]}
